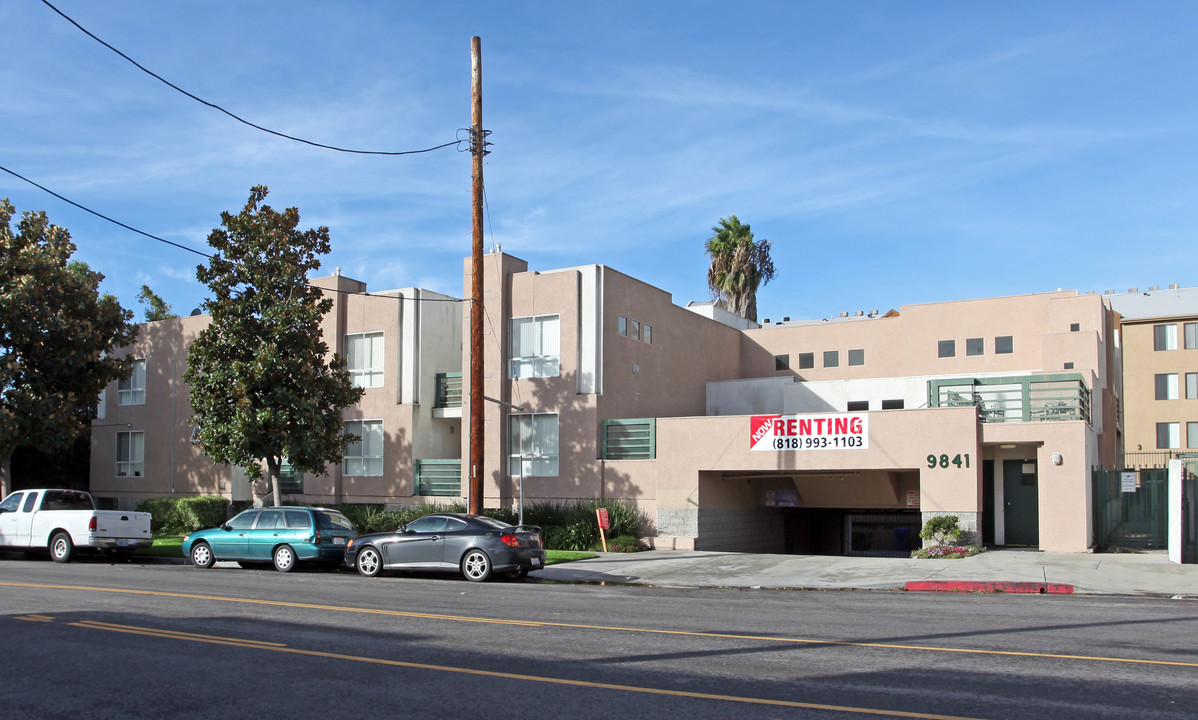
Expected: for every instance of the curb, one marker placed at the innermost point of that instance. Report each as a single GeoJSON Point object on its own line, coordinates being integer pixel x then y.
{"type": "Point", "coordinates": [999, 586]}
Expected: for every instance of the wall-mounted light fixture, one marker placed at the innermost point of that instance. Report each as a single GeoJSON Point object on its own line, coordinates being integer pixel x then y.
{"type": "Point", "coordinates": [1057, 459]}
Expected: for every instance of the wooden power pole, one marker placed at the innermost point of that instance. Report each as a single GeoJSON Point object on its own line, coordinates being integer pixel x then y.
{"type": "Point", "coordinates": [478, 148]}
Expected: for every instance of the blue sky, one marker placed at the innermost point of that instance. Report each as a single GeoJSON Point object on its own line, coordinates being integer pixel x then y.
{"type": "Point", "coordinates": [894, 153]}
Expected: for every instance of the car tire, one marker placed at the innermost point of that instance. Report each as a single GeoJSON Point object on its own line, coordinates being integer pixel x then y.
{"type": "Point", "coordinates": [201, 556]}
{"type": "Point", "coordinates": [61, 547]}
{"type": "Point", "coordinates": [284, 557]}
{"type": "Point", "coordinates": [476, 566]}
{"type": "Point", "coordinates": [369, 562]}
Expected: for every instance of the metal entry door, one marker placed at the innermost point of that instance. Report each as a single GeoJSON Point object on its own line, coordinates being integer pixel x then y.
{"type": "Point", "coordinates": [1021, 503]}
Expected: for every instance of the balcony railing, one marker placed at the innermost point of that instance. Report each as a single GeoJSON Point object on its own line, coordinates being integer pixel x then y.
{"type": "Point", "coordinates": [439, 477]}
{"type": "Point", "coordinates": [1027, 398]}
{"type": "Point", "coordinates": [449, 390]}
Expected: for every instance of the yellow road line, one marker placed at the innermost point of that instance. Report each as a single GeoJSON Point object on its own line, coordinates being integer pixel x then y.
{"type": "Point", "coordinates": [608, 628]}
{"type": "Point", "coordinates": [237, 642]}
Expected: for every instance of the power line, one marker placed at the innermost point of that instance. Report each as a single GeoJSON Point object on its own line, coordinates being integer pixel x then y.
{"type": "Point", "coordinates": [197, 252]}
{"type": "Point", "coordinates": [232, 115]}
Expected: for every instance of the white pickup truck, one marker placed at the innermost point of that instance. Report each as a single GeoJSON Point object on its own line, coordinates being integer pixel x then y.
{"type": "Point", "coordinates": [64, 520]}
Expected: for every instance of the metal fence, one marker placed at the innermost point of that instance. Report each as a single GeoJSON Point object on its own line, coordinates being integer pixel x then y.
{"type": "Point", "coordinates": [1131, 508]}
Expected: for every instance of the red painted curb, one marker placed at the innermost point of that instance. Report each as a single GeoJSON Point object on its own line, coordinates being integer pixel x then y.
{"type": "Point", "coordinates": [991, 587]}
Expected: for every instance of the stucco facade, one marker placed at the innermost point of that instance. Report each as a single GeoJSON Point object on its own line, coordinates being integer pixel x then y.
{"type": "Point", "coordinates": [600, 386]}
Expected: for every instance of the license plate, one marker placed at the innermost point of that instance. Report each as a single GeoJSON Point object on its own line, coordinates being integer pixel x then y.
{"type": "Point", "coordinates": [338, 541]}
{"type": "Point", "coordinates": [122, 543]}
{"type": "Point", "coordinates": [536, 561]}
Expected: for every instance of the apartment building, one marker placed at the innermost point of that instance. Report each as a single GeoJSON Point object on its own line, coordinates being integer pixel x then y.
{"type": "Point", "coordinates": [1160, 374]}
{"type": "Point", "coordinates": [403, 347]}
{"type": "Point", "coordinates": [835, 436]}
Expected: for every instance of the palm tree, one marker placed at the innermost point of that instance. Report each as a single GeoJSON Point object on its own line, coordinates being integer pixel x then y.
{"type": "Point", "coordinates": [738, 266]}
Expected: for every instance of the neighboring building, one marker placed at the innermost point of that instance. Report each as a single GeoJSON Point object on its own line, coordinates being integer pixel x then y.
{"type": "Point", "coordinates": [1160, 374]}
{"type": "Point", "coordinates": [993, 410]}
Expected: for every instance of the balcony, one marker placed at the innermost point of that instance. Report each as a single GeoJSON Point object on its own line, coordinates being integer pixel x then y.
{"type": "Point", "coordinates": [448, 402]}
{"type": "Point", "coordinates": [441, 478]}
{"type": "Point", "coordinates": [1030, 398]}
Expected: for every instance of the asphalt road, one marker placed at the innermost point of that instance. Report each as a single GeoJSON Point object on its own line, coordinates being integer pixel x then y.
{"type": "Point", "coordinates": [94, 640]}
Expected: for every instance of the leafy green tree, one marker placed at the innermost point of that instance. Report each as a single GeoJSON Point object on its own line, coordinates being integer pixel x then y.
{"type": "Point", "coordinates": [739, 265]}
{"type": "Point", "coordinates": [263, 384]}
{"type": "Point", "coordinates": [941, 529]}
{"type": "Point", "coordinates": [156, 307]}
{"type": "Point", "coordinates": [56, 334]}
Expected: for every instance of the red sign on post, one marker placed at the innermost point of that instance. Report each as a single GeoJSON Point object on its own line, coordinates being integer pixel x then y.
{"type": "Point", "coordinates": [601, 513]}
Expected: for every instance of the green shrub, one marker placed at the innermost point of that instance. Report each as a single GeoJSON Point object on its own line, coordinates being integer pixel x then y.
{"type": "Point", "coordinates": [942, 529]}
{"type": "Point", "coordinates": [181, 515]}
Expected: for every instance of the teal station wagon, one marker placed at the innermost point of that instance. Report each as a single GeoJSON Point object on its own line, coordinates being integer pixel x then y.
{"type": "Point", "coordinates": [284, 536]}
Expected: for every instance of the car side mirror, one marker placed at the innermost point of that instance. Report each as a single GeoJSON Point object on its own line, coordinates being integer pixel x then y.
{"type": "Point", "coordinates": [226, 527]}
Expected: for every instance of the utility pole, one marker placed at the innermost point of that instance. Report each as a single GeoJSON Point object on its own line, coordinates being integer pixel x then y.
{"type": "Point", "coordinates": [478, 148]}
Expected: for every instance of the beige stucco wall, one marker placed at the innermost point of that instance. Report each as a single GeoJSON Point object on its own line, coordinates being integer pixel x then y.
{"type": "Point", "coordinates": [1141, 364]}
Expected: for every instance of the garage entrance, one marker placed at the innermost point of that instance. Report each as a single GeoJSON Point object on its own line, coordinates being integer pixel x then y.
{"type": "Point", "coordinates": [844, 531]}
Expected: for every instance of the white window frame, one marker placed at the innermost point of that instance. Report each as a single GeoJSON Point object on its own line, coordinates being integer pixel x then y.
{"type": "Point", "coordinates": [533, 445]}
{"type": "Point", "coordinates": [131, 458]}
{"type": "Point", "coordinates": [364, 457]}
{"type": "Point", "coordinates": [1192, 386]}
{"type": "Point", "coordinates": [132, 390]}
{"type": "Point", "coordinates": [1190, 330]}
{"type": "Point", "coordinates": [365, 358]}
{"type": "Point", "coordinates": [543, 358]}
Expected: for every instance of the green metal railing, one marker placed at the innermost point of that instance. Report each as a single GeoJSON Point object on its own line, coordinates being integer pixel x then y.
{"type": "Point", "coordinates": [1130, 508]}
{"type": "Point", "coordinates": [1025, 398]}
{"type": "Point", "coordinates": [449, 390]}
{"type": "Point", "coordinates": [439, 477]}
{"type": "Point", "coordinates": [634, 439]}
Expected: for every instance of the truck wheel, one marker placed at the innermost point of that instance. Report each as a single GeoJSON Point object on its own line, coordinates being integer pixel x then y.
{"type": "Point", "coordinates": [61, 547]}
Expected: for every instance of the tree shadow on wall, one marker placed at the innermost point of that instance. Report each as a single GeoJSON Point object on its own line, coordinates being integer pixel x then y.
{"type": "Point", "coordinates": [582, 472]}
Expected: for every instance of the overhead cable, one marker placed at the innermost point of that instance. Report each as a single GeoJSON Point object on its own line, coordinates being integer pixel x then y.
{"type": "Point", "coordinates": [232, 115]}
{"type": "Point", "coordinates": [198, 252]}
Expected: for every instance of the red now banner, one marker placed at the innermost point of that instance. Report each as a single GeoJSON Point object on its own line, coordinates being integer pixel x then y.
{"type": "Point", "coordinates": [840, 431]}
{"type": "Point", "coordinates": [603, 522]}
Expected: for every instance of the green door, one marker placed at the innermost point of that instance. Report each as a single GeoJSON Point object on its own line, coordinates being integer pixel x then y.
{"type": "Point", "coordinates": [1021, 501]}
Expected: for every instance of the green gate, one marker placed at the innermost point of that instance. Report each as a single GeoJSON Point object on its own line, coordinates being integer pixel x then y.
{"type": "Point", "coordinates": [1131, 508]}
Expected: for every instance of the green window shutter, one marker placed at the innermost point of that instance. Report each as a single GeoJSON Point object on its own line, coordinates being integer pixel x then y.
{"type": "Point", "coordinates": [634, 439]}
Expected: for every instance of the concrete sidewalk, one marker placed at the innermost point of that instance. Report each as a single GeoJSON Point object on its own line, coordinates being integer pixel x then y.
{"type": "Point", "coordinates": [1012, 570]}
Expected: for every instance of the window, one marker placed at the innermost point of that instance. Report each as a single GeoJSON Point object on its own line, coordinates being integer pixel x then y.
{"type": "Point", "coordinates": [1004, 345]}
{"type": "Point", "coordinates": [858, 406]}
{"type": "Point", "coordinates": [11, 503]}
{"type": "Point", "coordinates": [806, 361]}
{"type": "Point", "coordinates": [634, 330]}
{"type": "Point", "coordinates": [893, 404]}
{"type": "Point", "coordinates": [1068, 366]}
{"type": "Point", "coordinates": [831, 358]}
{"type": "Point", "coordinates": [132, 390]}
{"type": "Point", "coordinates": [1164, 337]}
{"type": "Point", "coordinates": [1075, 327]}
{"type": "Point", "coordinates": [946, 348]}
{"type": "Point", "coordinates": [1191, 386]}
{"type": "Point", "coordinates": [622, 326]}
{"type": "Point", "coordinates": [856, 357]}
{"type": "Point", "coordinates": [364, 359]}
{"type": "Point", "coordinates": [364, 457]}
{"type": "Point", "coordinates": [130, 454]}
{"type": "Point", "coordinates": [536, 347]}
{"type": "Point", "coordinates": [1168, 436]}
{"type": "Point", "coordinates": [297, 519]}
{"type": "Point", "coordinates": [1191, 333]}
{"type": "Point", "coordinates": [244, 521]}
{"type": "Point", "coordinates": [781, 362]}
{"type": "Point", "coordinates": [1166, 386]}
{"type": "Point", "coordinates": [975, 346]}
{"type": "Point", "coordinates": [1192, 435]}
{"type": "Point", "coordinates": [532, 445]}
{"type": "Point", "coordinates": [647, 334]}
